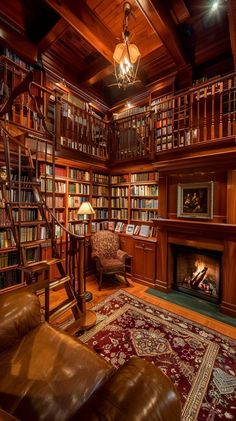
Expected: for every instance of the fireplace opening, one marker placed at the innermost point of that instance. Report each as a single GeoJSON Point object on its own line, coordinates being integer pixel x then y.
{"type": "Point", "coordinates": [197, 272]}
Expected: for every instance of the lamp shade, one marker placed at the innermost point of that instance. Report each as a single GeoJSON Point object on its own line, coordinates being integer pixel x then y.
{"type": "Point", "coordinates": [125, 51]}
{"type": "Point", "coordinates": [86, 209]}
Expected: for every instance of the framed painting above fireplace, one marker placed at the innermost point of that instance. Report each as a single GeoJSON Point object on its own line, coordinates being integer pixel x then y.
{"type": "Point", "coordinates": [195, 200]}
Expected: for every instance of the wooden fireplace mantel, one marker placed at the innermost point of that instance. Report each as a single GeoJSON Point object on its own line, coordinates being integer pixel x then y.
{"type": "Point", "coordinates": [200, 234]}
{"type": "Point", "coordinates": [199, 228]}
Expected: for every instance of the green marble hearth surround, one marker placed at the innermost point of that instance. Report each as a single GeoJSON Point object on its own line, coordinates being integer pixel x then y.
{"type": "Point", "coordinates": [193, 303]}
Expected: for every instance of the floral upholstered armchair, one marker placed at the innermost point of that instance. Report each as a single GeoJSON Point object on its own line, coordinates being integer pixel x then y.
{"type": "Point", "coordinates": [108, 257]}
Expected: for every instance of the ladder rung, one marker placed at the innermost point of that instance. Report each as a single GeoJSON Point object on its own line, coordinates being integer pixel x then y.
{"type": "Point", "coordinates": [62, 308]}
{"type": "Point", "coordinates": [58, 282]}
{"type": "Point", "coordinates": [53, 261]}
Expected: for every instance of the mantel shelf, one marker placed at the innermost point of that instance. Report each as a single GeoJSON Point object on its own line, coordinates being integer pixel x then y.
{"type": "Point", "coordinates": [216, 230]}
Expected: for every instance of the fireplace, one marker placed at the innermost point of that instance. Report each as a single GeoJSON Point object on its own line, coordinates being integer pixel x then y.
{"type": "Point", "coordinates": [197, 272]}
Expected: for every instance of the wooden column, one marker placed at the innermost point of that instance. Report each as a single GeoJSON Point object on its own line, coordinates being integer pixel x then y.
{"type": "Point", "coordinates": [162, 236]}
{"type": "Point", "coordinates": [228, 303]}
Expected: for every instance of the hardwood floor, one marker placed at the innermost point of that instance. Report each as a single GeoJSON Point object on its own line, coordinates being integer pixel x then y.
{"type": "Point", "coordinates": [139, 291]}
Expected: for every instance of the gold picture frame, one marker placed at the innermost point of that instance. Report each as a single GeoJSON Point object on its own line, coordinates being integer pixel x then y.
{"type": "Point", "coordinates": [195, 200]}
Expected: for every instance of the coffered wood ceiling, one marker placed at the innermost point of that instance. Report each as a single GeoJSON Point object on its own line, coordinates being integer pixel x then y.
{"type": "Point", "coordinates": [76, 39]}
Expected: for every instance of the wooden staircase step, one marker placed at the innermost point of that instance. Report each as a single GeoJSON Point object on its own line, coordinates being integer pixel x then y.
{"type": "Point", "coordinates": [62, 308]}
{"type": "Point", "coordinates": [59, 282]}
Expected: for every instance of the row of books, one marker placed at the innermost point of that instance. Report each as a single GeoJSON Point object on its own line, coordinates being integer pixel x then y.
{"type": "Point", "coordinates": [130, 112]}
{"type": "Point", "coordinates": [79, 229]}
{"type": "Point", "coordinates": [21, 196]}
{"type": "Point", "coordinates": [116, 179]}
{"type": "Point", "coordinates": [101, 214]}
{"type": "Point", "coordinates": [119, 191]}
{"type": "Point", "coordinates": [75, 201]}
{"type": "Point", "coordinates": [78, 188]}
{"type": "Point", "coordinates": [144, 203]}
{"type": "Point", "coordinates": [73, 215]}
{"type": "Point", "coordinates": [47, 185]}
{"type": "Point", "coordinates": [47, 169]}
{"type": "Point", "coordinates": [14, 57]}
{"type": "Point", "coordinates": [119, 213]}
{"type": "Point", "coordinates": [143, 215]}
{"type": "Point", "coordinates": [147, 176]}
{"type": "Point", "coordinates": [59, 201]}
{"type": "Point", "coordinates": [144, 190]}
{"type": "Point", "coordinates": [9, 278]}
{"type": "Point", "coordinates": [28, 234]}
{"type": "Point", "coordinates": [79, 174]}
{"type": "Point", "coordinates": [8, 259]}
{"type": "Point", "coordinates": [4, 220]}
{"type": "Point", "coordinates": [103, 225]}
{"type": "Point", "coordinates": [100, 178]}
{"type": "Point", "coordinates": [15, 176]}
{"type": "Point", "coordinates": [7, 239]}
{"type": "Point", "coordinates": [120, 202]}
{"type": "Point", "coordinates": [100, 202]}
{"type": "Point", "coordinates": [60, 215]}
{"type": "Point", "coordinates": [100, 190]}
{"type": "Point", "coordinates": [25, 215]}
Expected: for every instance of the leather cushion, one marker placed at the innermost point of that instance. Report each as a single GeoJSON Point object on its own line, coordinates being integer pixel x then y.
{"type": "Point", "coordinates": [138, 391]}
{"type": "Point", "coordinates": [47, 373]}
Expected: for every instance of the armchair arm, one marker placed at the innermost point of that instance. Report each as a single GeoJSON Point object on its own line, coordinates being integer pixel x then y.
{"type": "Point", "coordinates": [96, 258]}
{"type": "Point", "coordinates": [122, 255]}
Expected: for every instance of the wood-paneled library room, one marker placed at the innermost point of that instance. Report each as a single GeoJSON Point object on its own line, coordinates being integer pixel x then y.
{"type": "Point", "coordinates": [117, 210]}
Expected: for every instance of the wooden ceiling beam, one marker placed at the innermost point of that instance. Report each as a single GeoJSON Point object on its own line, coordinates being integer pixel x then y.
{"type": "Point", "coordinates": [161, 21]}
{"type": "Point", "coordinates": [96, 71]}
{"type": "Point", "coordinates": [232, 27]}
{"type": "Point", "coordinates": [53, 35]}
{"type": "Point", "coordinates": [18, 43]}
{"type": "Point", "coordinates": [82, 19]}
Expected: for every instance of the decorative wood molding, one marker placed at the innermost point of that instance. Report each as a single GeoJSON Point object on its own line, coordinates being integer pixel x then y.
{"type": "Point", "coordinates": [213, 230]}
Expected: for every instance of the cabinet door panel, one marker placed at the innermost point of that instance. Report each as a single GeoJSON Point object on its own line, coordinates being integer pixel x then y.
{"type": "Point", "coordinates": [149, 263]}
{"type": "Point", "coordinates": [138, 270]}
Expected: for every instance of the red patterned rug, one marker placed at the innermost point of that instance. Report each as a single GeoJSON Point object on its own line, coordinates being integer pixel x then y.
{"type": "Point", "coordinates": [201, 362]}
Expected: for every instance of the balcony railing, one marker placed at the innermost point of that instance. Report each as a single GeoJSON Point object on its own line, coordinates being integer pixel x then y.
{"type": "Point", "coordinates": [201, 115]}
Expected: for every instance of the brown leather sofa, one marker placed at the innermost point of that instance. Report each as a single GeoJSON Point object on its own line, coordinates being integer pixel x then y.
{"type": "Point", "coordinates": [47, 375]}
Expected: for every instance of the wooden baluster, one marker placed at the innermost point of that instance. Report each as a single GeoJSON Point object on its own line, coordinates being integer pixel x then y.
{"type": "Point", "coordinates": [190, 140]}
{"type": "Point", "coordinates": [205, 115]}
{"type": "Point", "coordinates": [198, 115]}
{"type": "Point", "coordinates": [213, 111]}
{"type": "Point", "coordinates": [221, 111]}
{"type": "Point", "coordinates": [179, 120]}
{"type": "Point", "coordinates": [229, 107]}
{"type": "Point", "coordinates": [234, 106]}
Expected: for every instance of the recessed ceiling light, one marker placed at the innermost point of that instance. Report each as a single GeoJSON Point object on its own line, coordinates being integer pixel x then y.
{"type": "Point", "coordinates": [215, 6]}
{"type": "Point", "coordinates": [128, 104]}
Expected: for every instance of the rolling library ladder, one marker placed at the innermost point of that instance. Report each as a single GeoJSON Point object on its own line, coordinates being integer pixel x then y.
{"type": "Point", "coordinates": [27, 229]}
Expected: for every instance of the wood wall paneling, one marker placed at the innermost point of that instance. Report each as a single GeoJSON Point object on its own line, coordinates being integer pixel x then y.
{"type": "Point", "coordinates": [231, 197]}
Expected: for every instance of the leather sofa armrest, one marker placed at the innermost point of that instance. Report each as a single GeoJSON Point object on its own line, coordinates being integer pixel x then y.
{"type": "Point", "coordinates": [19, 313]}
{"type": "Point", "coordinates": [136, 391]}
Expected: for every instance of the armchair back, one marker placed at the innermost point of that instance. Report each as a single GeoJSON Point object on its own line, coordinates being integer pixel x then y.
{"type": "Point", "coordinates": [105, 244]}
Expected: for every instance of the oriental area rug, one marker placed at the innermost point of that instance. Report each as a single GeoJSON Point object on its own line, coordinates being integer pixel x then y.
{"type": "Point", "coordinates": [200, 362]}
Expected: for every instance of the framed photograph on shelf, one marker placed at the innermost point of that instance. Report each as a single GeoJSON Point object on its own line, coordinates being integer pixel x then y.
{"type": "Point", "coordinates": [130, 229]}
{"type": "Point", "coordinates": [144, 230]}
{"type": "Point", "coordinates": [195, 200]}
